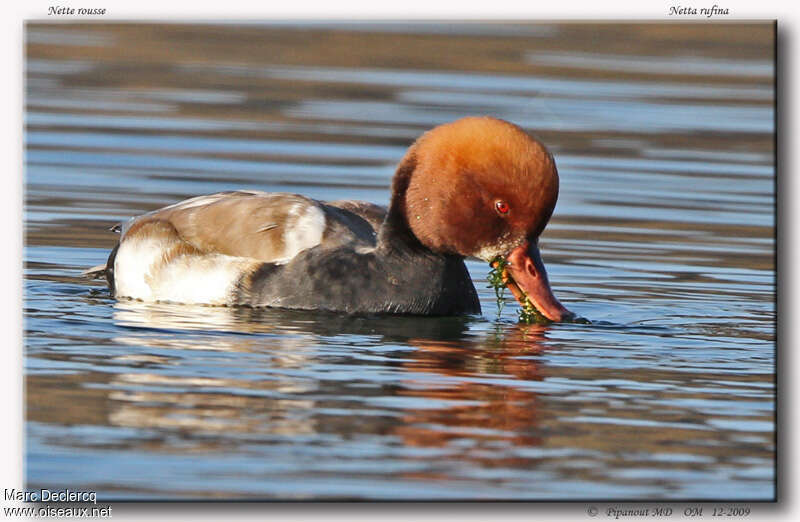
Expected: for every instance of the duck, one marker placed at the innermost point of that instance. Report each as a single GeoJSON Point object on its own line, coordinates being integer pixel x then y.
{"type": "Point", "coordinates": [478, 187]}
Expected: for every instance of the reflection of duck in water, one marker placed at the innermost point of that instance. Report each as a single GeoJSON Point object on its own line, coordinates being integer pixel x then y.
{"type": "Point", "coordinates": [477, 187]}
{"type": "Point", "coordinates": [475, 405]}
{"type": "Point", "coordinates": [457, 378]}
{"type": "Point", "coordinates": [246, 320]}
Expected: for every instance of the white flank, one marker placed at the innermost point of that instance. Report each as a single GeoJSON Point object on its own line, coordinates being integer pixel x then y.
{"type": "Point", "coordinates": [191, 279]}
{"type": "Point", "coordinates": [207, 279]}
{"type": "Point", "coordinates": [132, 266]}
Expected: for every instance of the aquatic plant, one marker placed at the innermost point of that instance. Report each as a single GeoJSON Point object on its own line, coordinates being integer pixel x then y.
{"type": "Point", "coordinates": [500, 279]}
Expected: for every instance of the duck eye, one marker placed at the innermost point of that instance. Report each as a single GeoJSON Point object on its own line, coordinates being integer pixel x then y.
{"type": "Point", "coordinates": [501, 207]}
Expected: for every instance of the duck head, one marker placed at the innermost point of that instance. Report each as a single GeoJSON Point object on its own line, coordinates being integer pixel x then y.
{"type": "Point", "coordinates": [482, 187]}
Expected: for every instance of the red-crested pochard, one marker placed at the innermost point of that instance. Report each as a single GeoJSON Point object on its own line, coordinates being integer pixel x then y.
{"type": "Point", "coordinates": [477, 187]}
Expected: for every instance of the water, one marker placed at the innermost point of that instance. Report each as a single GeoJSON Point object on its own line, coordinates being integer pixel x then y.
{"type": "Point", "coordinates": [663, 237]}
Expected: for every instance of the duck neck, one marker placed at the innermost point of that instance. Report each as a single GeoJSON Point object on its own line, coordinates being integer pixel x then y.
{"type": "Point", "coordinates": [395, 233]}
{"type": "Point", "coordinates": [422, 281]}
{"type": "Point", "coordinates": [396, 236]}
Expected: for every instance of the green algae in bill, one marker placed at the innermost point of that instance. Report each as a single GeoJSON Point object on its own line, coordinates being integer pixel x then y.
{"type": "Point", "coordinates": [500, 279]}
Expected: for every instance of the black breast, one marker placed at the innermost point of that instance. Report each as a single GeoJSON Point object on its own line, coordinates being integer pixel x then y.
{"type": "Point", "coordinates": [376, 281]}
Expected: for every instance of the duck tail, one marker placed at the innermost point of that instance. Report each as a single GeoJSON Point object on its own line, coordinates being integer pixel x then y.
{"type": "Point", "coordinates": [96, 272]}
{"type": "Point", "coordinates": [105, 271]}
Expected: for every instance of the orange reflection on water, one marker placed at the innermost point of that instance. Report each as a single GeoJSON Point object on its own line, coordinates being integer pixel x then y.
{"type": "Point", "coordinates": [489, 413]}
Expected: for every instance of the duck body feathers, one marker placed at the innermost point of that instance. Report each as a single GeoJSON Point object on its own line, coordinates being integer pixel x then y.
{"type": "Point", "coordinates": [249, 248]}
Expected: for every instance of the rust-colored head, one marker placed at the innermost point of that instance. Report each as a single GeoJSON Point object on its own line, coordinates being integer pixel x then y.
{"type": "Point", "coordinates": [481, 187]}
{"type": "Point", "coordinates": [477, 187]}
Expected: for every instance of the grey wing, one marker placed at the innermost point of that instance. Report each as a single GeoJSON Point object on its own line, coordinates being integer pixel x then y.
{"type": "Point", "coordinates": [268, 227]}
